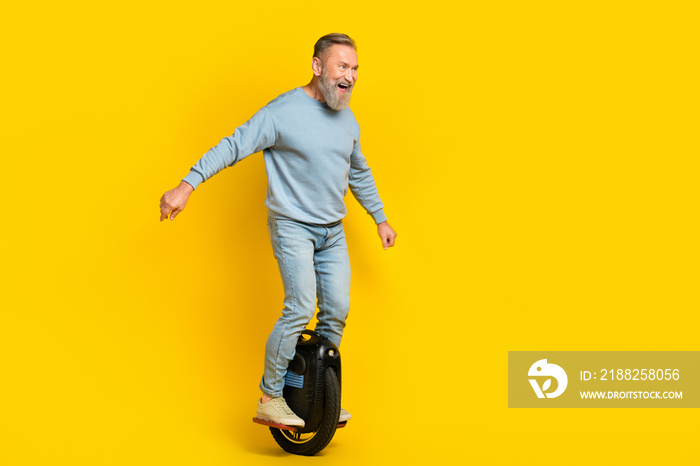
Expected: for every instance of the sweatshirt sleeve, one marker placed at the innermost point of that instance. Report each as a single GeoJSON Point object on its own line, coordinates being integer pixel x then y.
{"type": "Point", "coordinates": [254, 135]}
{"type": "Point", "coordinates": [362, 185]}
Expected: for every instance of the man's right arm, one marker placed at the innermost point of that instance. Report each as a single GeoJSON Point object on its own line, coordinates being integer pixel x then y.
{"type": "Point", "coordinates": [256, 134]}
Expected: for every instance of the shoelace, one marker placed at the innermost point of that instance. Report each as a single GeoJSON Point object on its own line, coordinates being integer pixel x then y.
{"type": "Point", "coordinates": [282, 407]}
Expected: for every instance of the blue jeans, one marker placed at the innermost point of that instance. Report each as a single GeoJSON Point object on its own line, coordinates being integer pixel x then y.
{"type": "Point", "coordinates": [315, 268]}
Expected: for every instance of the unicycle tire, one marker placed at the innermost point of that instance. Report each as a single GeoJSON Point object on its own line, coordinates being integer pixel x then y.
{"type": "Point", "coordinates": [309, 444]}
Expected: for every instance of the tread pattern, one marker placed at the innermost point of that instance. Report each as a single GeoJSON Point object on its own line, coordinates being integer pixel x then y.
{"type": "Point", "coordinates": [329, 422]}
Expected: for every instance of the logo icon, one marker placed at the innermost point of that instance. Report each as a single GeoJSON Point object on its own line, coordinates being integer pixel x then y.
{"type": "Point", "coordinates": [542, 369]}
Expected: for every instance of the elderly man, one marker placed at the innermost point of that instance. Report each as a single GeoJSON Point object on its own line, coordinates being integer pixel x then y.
{"type": "Point", "coordinates": [311, 146]}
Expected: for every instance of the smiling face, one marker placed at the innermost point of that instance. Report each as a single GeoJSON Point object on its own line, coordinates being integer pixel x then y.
{"type": "Point", "coordinates": [337, 71]}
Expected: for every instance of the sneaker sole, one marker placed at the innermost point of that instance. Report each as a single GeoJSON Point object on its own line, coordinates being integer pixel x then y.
{"type": "Point", "coordinates": [291, 423]}
{"type": "Point", "coordinates": [265, 422]}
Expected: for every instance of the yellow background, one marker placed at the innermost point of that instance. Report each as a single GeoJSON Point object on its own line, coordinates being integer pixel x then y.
{"type": "Point", "coordinates": [538, 160]}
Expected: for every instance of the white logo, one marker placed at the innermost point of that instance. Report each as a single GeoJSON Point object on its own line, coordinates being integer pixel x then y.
{"type": "Point", "coordinates": [541, 369]}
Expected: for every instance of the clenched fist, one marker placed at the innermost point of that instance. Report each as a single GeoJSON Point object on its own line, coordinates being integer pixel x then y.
{"type": "Point", "coordinates": [387, 234]}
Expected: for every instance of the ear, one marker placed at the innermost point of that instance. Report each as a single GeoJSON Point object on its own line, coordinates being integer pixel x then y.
{"type": "Point", "coordinates": [316, 66]}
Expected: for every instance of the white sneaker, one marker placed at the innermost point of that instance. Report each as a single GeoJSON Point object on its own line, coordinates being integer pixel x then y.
{"type": "Point", "coordinates": [276, 410]}
{"type": "Point", "coordinates": [344, 415]}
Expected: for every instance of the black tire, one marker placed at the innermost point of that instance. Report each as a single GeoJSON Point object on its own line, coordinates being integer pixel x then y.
{"type": "Point", "coordinates": [311, 443]}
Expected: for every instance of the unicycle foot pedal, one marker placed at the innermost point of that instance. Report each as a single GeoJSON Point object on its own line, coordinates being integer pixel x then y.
{"type": "Point", "coordinates": [275, 425]}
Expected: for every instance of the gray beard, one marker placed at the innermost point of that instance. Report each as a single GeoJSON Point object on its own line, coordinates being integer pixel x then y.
{"type": "Point", "coordinates": [330, 93]}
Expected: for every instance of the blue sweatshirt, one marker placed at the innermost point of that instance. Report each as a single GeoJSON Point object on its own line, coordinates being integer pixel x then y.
{"type": "Point", "coordinates": [312, 155]}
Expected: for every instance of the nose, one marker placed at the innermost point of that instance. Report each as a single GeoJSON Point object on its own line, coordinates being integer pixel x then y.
{"type": "Point", "coordinates": [351, 75]}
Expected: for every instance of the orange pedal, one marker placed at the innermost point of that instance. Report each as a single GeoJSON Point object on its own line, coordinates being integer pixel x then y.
{"type": "Point", "coordinates": [275, 425]}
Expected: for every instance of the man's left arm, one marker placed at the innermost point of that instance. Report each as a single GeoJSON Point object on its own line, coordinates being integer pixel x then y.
{"type": "Point", "coordinates": [364, 189]}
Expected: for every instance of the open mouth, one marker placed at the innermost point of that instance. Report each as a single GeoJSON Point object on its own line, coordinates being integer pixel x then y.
{"type": "Point", "coordinates": [343, 86]}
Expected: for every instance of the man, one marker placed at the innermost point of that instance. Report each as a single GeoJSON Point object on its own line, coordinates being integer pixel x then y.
{"type": "Point", "coordinates": [311, 145]}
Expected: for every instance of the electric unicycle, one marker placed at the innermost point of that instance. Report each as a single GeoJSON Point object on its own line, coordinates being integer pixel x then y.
{"type": "Point", "coordinates": [312, 391]}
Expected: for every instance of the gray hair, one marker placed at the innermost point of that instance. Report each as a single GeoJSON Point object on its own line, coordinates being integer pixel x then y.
{"type": "Point", "coordinates": [327, 41]}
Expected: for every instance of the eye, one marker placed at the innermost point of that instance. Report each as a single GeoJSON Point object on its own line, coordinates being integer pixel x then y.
{"type": "Point", "coordinates": [342, 67]}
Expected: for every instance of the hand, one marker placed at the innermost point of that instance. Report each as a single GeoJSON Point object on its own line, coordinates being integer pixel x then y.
{"type": "Point", "coordinates": [173, 202]}
{"type": "Point", "coordinates": [387, 234]}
